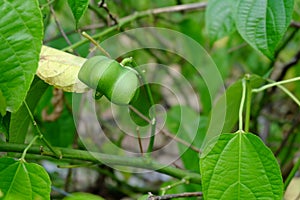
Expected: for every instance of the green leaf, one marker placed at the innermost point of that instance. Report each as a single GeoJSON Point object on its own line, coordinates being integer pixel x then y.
{"type": "Point", "coordinates": [262, 23]}
{"type": "Point", "coordinates": [78, 8]}
{"type": "Point", "coordinates": [82, 196]}
{"type": "Point", "coordinates": [186, 124]}
{"type": "Point", "coordinates": [2, 104]}
{"type": "Point", "coordinates": [4, 124]}
{"type": "Point", "coordinates": [61, 131]}
{"type": "Point", "coordinates": [20, 120]}
{"type": "Point", "coordinates": [239, 166]}
{"type": "Point", "coordinates": [21, 33]}
{"type": "Point", "coordinates": [219, 18]}
{"type": "Point", "coordinates": [21, 180]}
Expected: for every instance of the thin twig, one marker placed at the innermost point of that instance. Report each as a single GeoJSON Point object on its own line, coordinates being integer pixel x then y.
{"type": "Point", "coordinates": [56, 152]}
{"type": "Point", "coordinates": [138, 15]}
{"type": "Point", "coordinates": [96, 10]}
{"type": "Point", "coordinates": [287, 135]}
{"type": "Point", "coordinates": [287, 66]}
{"type": "Point", "coordinates": [179, 140]}
{"type": "Point", "coordinates": [165, 132]}
{"type": "Point", "coordinates": [168, 187]}
{"type": "Point", "coordinates": [171, 196]}
{"type": "Point", "coordinates": [283, 44]}
{"type": "Point", "coordinates": [139, 140]}
{"type": "Point", "coordinates": [87, 36]}
{"type": "Point", "coordinates": [295, 24]}
{"type": "Point", "coordinates": [238, 47]}
{"type": "Point", "coordinates": [178, 8]}
{"type": "Point", "coordinates": [103, 5]}
{"type": "Point", "coordinates": [61, 30]}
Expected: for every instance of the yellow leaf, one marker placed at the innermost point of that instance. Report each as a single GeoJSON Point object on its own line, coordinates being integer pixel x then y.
{"type": "Point", "coordinates": [61, 69]}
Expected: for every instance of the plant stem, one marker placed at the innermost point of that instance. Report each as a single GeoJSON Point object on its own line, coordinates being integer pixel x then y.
{"type": "Point", "coordinates": [97, 158]}
{"type": "Point", "coordinates": [173, 196]}
{"type": "Point", "coordinates": [165, 132]}
{"type": "Point", "coordinates": [168, 187]}
{"type": "Point", "coordinates": [150, 98]}
{"type": "Point", "coordinates": [275, 84]}
{"type": "Point", "coordinates": [278, 84]}
{"type": "Point", "coordinates": [289, 94]}
{"type": "Point", "coordinates": [292, 174]}
{"type": "Point", "coordinates": [244, 88]}
{"type": "Point", "coordinates": [138, 15]}
{"type": "Point", "coordinates": [29, 145]}
{"type": "Point", "coordinates": [87, 36]}
{"type": "Point", "coordinates": [248, 103]}
{"type": "Point", "coordinates": [41, 136]}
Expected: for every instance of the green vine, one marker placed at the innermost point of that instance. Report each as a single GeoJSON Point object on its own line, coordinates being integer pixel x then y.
{"type": "Point", "coordinates": [99, 158]}
{"type": "Point", "coordinates": [56, 152]}
{"type": "Point", "coordinates": [279, 85]}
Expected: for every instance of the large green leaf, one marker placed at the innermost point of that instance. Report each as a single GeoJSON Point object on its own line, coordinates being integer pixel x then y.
{"type": "Point", "coordinates": [78, 8]}
{"type": "Point", "coordinates": [20, 120]}
{"type": "Point", "coordinates": [262, 23]}
{"type": "Point", "coordinates": [239, 166]}
{"type": "Point", "coordinates": [219, 18]}
{"type": "Point", "coordinates": [21, 33]}
{"type": "Point", "coordinates": [21, 180]}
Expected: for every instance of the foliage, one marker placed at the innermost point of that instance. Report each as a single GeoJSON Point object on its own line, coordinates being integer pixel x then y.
{"type": "Point", "coordinates": [23, 180]}
{"type": "Point", "coordinates": [232, 156]}
{"type": "Point", "coordinates": [201, 98]}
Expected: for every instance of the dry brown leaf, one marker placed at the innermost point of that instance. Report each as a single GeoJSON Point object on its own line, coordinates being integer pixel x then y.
{"type": "Point", "coordinates": [60, 69]}
{"type": "Point", "coordinates": [293, 190]}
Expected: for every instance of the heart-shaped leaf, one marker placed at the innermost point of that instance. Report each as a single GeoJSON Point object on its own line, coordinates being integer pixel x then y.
{"type": "Point", "coordinates": [240, 166]}
{"type": "Point", "coordinates": [262, 23]}
{"type": "Point", "coordinates": [21, 180]}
